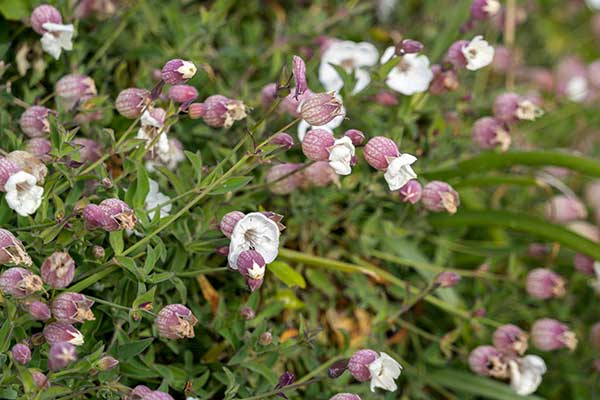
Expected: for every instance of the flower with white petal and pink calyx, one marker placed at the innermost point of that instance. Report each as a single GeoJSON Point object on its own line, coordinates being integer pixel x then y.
{"type": "Point", "coordinates": [57, 332]}
{"type": "Point", "coordinates": [491, 133]}
{"type": "Point", "coordinates": [12, 250]}
{"type": "Point", "coordinates": [543, 284]}
{"type": "Point", "coordinates": [511, 339]}
{"type": "Point", "coordinates": [72, 308]}
{"type": "Point", "coordinates": [511, 107]}
{"type": "Point", "coordinates": [221, 111]}
{"type": "Point", "coordinates": [56, 37]}
{"type": "Point", "coordinates": [354, 58]}
{"type": "Point", "coordinates": [131, 102]}
{"type": "Point", "coordinates": [341, 156]}
{"type": "Point", "coordinates": [175, 321]}
{"type": "Point", "coordinates": [58, 270]}
{"type": "Point", "coordinates": [572, 80]}
{"type": "Point", "coordinates": [61, 355]}
{"type": "Point", "coordinates": [411, 75]}
{"type": "Point", "coordinates": [381, 369]}
{"type": "Point", "coordinates": [526, 374]}
{"type": "Point", "coordinates": [178, 71]}
{"type": "Point", "coordinates": [155, 198]}
{"type": "Point", "coordinates": [254, 231]}
{"type": "Point", "coordinates": [472, 55]}
{"type": "Point", "coordinates": [316, 144]}
{"type": "Point", "coordinates": [252, 266]}
{"type": "Point", "coordinates": [440, 197]}
{"type": "Point", "coordinates": [382, 153]}
{"type": "Point", "coordinates": [23, 194]}
{"type": "Point", "coordinates": [548, 334]}
{"type": "Point", "coordinates": [34, 121]}
{"type": "Point", "coordinates": [19, 282]}
{"type": "Point", "coordinates": [488, 361]}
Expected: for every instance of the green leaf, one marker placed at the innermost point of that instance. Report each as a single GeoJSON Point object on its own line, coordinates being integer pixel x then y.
{"type": "Point", "coordinates": [289, 299]}
{"type": "Point", "coordinates": [142, 187]}
{"type": "Point", "coordinates": [196, 160]}
{"type": "Point", "coordinates": [160, 277]}
{"type": "Point", "coordinates": [130, 266]}
{"type": "Point", "coordinates": [126, 351]}
{"type": "Point", "coordinates": [14, 9]}
{"type": "Point", "coordinates": [144, 298]}
{"type": "Point", "coordinates": [116, 241]}
{"type": "Point", "coordinates": [232, 184]}
{"type": "Point", "coordinates": [8, 394]}
{"type": "Point", "coordinates": [55, 392]}
{"type": "Point", "coordinates": [262, 370]}
{"type": "Point", "coordinates": [287, 274]}
{"type": "Point", "coordinates": [5, 335]}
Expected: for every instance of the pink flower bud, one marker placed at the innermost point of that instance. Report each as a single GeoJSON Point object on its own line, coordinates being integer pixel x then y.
{"type": "Point", "coordinates": [247, 313]}
{"type": "Point", "coordinates": [490, 133]}
{"type": "Point", "coordinates": [39, 147]}
{"type": "Point", "coordinates": [11, 249]}
{"type": "Point", "coordinates": [379, 151]}
{"type": "Point", "coordinates": [252, 266]}
{"type": "Point", "coordinates": [549, 334]}
{"type": "Point", "coordinates": [89, 150]}
{"type": "Point", "coordinates": [58, 332]}
{"type": "Point", "coordinates": [222, 111]}
{"type": "Point", "coordinates": [386, 98]}
{"type": "Point", "coordinates": [58, 270]}
{"type": "Point", "coordinates": [130, 102]}
{"type": "Point", "coordinates": [286, 185]}
{"type": "Point", "coordinates": [21, 353]}
{"type": "Point", "coordinates": [595, 335]}
{"type": "Point", "coordinates": [7, 169]}
{"type": "Point", "coordinates": [447, 279]}
{"type": "Point", "coordinates": [488, 361]}
{"type": "Point", "coordinates": [182, 93]}
{"type": "Point", "coordinates": [175, 321]}
{"type": "Point", "coordinates": [157, 395]}
{"type": "Point", "coordinates": [61, 355]}
{"type": "Point", "coordinates": [34, 121]}
{"type": "Point", "coordinates": [75, 88]}
{"type": "Point", "coordinates": [316, 144]}
{"type": "Point", "coordinates": [544, 284]}
{"type": "Point", "coordinates": [229, 221]}
{"type": "Point", "coordinates": [484, 9]}
{"type": "Point", "coordinates": [196, 110]}
{"type": "Point", "coordinates": [356, 136]}
{"type": "Point", "coordinates": [359, 364]}
{"type": "Point", "coordinates": [409, 46]}
{"type": "Point", "coordinates": [320, 108]}
{"type": "Point", "coordinates": [320, 174]}
{"type": "Point", "coordinates": [411, 192]}
{"type": "Point", "coordinates": [562, 209]}
{"type": "Point", "coordinates": [439, 196]}
{"type": "Point", "coordinates": [584, 264]}
{"type": "Point", "coordinates": [346, 396]}
{"type": "Point", "coordinates": [268, 95]}
{"type": "Point", "coordinates": [41, 380]}
{"type": "Point", "coordinates": [72, 308]}
{"type": "Point", "coordinates": [299, 71]}
{"type": "Point", "coordinates": [266, 338]}
{"type": "Point", "coordinates": [455, 55]}
{"type": "Point", "coordinates": [510, 339]}
{"type": "Point", "coordinates": [42, 15]}
{"type": "Point", "coordinates": [178, 71]}
{"type": "Point", "coordinates": [222, 251]}
{"type": "Point", "coordinates": [98, 252]}
{"type": "Point", "coordinates": [19, 282]}
{"type": "Point", "coordinates": [283, 139]}
{"type": "Point", "coordinates": [107, 363]}
{"type": "Point", "coordinates": [39, 310]}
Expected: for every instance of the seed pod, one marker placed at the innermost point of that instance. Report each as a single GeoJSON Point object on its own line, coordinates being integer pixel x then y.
{"type": "Point", "coordinates": [379, 151]}
{"type": "Point", "coordinates": [12, 250]}
{"type": "Point", "coordinates": [57, 332]}
{"type": "Point", "coordinates": [356, 136]}
{"type": "Point", "coordinates": [175, 321]}
{"type": "Point", "coordinates": [34, 121]}
{"type": "Point", "coordinates": [75, 88]}
{"type": "Point", "coordinates": [283, 140]}
{"type": "Point", "coordinates": [268, 95]}
{"type": "Point", "coordinates": [72, 308]}
{"type": "Point", "coordinates": [61, 355]}
{"type": "Point", "coordinates": [549, 334]}
{"type": "Point", "coordinates": [584, 264]}
{"type": "Point", "coordinates": [19, 282]}
{"type": "Point", "coordinates": [247, 313]}
{"type": "Point", "coordinates": [320, 174]}
{"type": "Point", "coordinates": [131, 102]}
{"type": "Point", "coordinates": [58, 270]}
{"type": "Point", "coordinates": [408, 46]}
{"type": "Point", "coordinates": [41, 380]}
{"type": "Point", "coordinates": [39, 147]}
{"type": "Point", "coordinates": [359, 364]}
{"type": "Point", "coordinates": [21, 353]}
{"type": "Point", "coordinates": [107, 363]}
{"type": "Point", "coordinates": [228, 222]}
{"type": "Point", "coordinates": [439, 196]}
{"type": "Point", "coordinates": [178, 71]}
{"type": "Point", "coordinates": [89, 151]}
{"type": "Point", "coordinates": [266, 338]}
{"type": "Point", "coordinates": [346, 396]}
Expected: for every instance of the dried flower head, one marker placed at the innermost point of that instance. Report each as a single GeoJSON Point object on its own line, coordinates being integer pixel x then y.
{"type": "Point", "coordinates": [72, 308]}
{"type": "Point", "coordinates": [175, 321]}
{"type": "Point", "coordinates": [58, 270]}
{"type": "Point", "coordinates": [19, 282]}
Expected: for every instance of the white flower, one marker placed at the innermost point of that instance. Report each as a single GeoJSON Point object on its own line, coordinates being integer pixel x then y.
{"type": "Point", "coordinates": [593, 4]}
{"type": "Point", "coordinates": [57, 38]}
{"type": "Point", "coordinates": [353, 58]}
{"type": "Point", "coordinates": [577, 89]}
{"type": "Point", "coordinates": [254, 232]}
{"type": "Point", "coordinates": [411, 75]}
{"type": "Point", "coordinates": [155, 198]}
{"type": "Point", "coordinates": [526, 374]}
{"type": "Point", "coordinates": [399, 171]}
{"type": "Point", "coordinates": [22, 193]}
{"type": "Point", "coordinates": [340, 156]}
{"type": "Point", "coordinates": [148, 131]}
{"type": "Point", "coordinates": [256, 272]}
{"type": "Point", "coordinates": [384, 371]}
{"type": "Point", "coordinates": [478, 53]}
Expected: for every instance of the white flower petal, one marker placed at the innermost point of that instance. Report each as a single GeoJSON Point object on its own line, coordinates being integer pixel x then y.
{"type": "Point", "coordinates": [399, 171]}
{"type": "Point", "coordinates": [478, 53]}
{"type": "Point", "coordinates": [57, 38]}
{"type": "Point", "coordinates": [414, 77]}
{"type": "Point", "coordinates": [526, 374]}
{"type": "Point", "coordinates": [353, 57]}
{"type": "Point", "coordinates": [254, 232]}
{"type": "Point", "coordinates": [384, 371]}
{"type": "Point", "coordinates": [22, 193]}
{"type": "Point", "coordinates": [340, 156]}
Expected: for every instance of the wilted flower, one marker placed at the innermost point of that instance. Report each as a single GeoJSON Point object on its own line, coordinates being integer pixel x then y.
{"type": "Point", "coordinates": [484, 9]}
{"type": "Point", "coordinates": [411, 75]}
{"type": "Point", "coordinates": [285, 185]}
{"type": "Point", "coordinates": [72, 308]}
{"type": "Point", "coordinates": [543, 284]}
{"type": "Point", "coordinates": [61, 355]}
{"type": "Point", "coordinates": [131, 102]}
{"type": "Point", "coordinates": [490, 133]}
{"type": "Point", "coordinates": [58, 332]}
{"type": "Point", "coordinates": [75, 88]}
{"type": "Point", "coordinates": [178, 71]}
{"type": "Point", "coordinates": [175, 321]}
{"type": "Point", "coordinates": [549, 334]}
{"type": "Point", "coordinates": [221, 111]}
{"type": "Point", "coordinates": [34, 121]}
{"type": "Point", "coordinates": [411, 192]}
{"type": "Point", "coordinates": [439, 196]}
{"type": "Point", "coordinates": [380, 369]}
{"type": "Point", "coordinates": [510, 339]}
{"type": "Point", "coordinates": [320, 108]}
{"type": "Point", "coordinates": [21, 353]}
{"type": "Point", "coordinates": [39, 310]}
{"type": "Point", "coordinates": [252, 266]}
{"type": "Point", "coordinates": [526, 374]}
{"type": "Point", "coordinates": [563, 209]}
{"type": "Point", "coordinates": [488, 361]}
{"type": "Point", "coordinates": [182, 93]}
{"type": "Point", "coordinates": [47, 21]}
{"type": "Point", "coordinates": [12, 250]}
{"type": "Point", "coordinates": [110, 215]}
{"type": "Point", "coordinates": [107, 363]}
{"type": "Point", "coordinates": [19, 282]}
{"type": "Point", "coordinates": [444, 80]}
{"type": "Point", "coordinates": [447, 279]}
{"type": "Point", "coordinates": [254, 232]}
{"type": "Point", "coordinates": [510, 108]}
{"type": "Point", "coordinates": [353, 57]}
{"type": "Point", "coordinates": [58, 270]}
{"type": "Point", "coordinates": [247, 313]}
